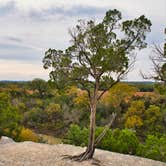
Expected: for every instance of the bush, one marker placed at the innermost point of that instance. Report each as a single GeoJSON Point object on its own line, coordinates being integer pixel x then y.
{"type": "Point", "coordinates": [123, 141]}
{"type": "Point", "coordinates": [126, 142]}
{"type": "Point", "coordinates": [107, 141]}
{"type": "Point", "coordinates": [154, 148]}
{"type": "Point", "coordinates": [76, 136]}
{"type": "Point", "coordinates": [10, 119]}
{"type": "Point", "coordinates": [28, 135]}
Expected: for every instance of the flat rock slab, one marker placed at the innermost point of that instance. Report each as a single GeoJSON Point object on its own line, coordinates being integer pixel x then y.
{"type": "Point", "coordinates": [38, 154]}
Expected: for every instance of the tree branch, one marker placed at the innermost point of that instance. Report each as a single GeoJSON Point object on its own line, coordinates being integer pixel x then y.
{"type": "Point", "coordinates": [105, 90]}
{"type": "Point", "coordinates": [99, 138]}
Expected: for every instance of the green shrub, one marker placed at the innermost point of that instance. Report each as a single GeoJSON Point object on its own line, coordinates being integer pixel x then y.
{"type": "Point", "coordinates": [126, 142]}
{"type": "Point", "coordinates": [123, 141]}
{"type": "Point", "coordinates": [10, 119]}
{"type": "Point", "coordinates": [76, 136]}
{"type": "Point", "coordinates": [107, 141]}
{"type": "Point", "coordinates": [154, 148]}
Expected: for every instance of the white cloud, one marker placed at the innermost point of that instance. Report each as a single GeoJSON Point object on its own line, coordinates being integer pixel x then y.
{"type": "Point", "coordinates": [42, 24]}
{"type": "Point", "coordinates": [16, 70]}
{"type": "Point", "coordinates": [143, 64]}
{"type": "Point", "coordinates": [136, 6]}
{"type": "Point", "coordinates": [142, 5]}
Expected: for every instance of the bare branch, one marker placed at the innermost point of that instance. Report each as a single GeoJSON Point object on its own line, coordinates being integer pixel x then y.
{"type": "Point", "coordinates": [99, 138]}
{"type": "Point", "coordinates": [104, 91]}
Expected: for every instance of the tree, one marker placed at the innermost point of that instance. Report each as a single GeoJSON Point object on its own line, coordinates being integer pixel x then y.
{"type": "Point", "coordinates": [97, 59]}
{"type": "Point", "coordinates": [159, 63]}
{"type": "Point", "coordinates": [41, 86]}
{"type": "Point", "coordinates": [153, 119]}
{"type": "Point", "coordinates": [117, 100]}
{"type": "Point", "coordinates": [134, 115]}
{"type": "Point", "coordinates": [122, 92]}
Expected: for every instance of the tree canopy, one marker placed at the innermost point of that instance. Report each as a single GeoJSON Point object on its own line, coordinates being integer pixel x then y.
{"type": "Point", "coordinates": [98, 52]}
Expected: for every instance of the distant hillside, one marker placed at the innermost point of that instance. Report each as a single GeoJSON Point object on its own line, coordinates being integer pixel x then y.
{"type": "Point", "coordinates": [140, 82]}
{"type": "Point", "coordinates": [12, 81]}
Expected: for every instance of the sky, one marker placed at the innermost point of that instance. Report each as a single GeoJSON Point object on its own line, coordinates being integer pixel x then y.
{"type": "Point", "coordinates": [28, 28]}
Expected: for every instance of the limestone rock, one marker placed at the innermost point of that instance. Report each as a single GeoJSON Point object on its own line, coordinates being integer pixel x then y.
{"type": "Point", "coordinates": [6, 140]}
{"type": "Point", "coordinates": [39, 154]}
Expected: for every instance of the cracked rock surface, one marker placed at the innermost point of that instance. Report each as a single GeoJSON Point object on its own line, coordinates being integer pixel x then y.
{"type": "Point", "coordinates": [38, 154]}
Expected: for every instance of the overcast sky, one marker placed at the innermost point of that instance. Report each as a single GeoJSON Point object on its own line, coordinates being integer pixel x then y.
{"type": "Point", "coordinates": [29, 27]}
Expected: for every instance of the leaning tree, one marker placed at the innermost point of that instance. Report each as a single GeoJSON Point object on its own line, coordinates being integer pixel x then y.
{"type": "Point", "coordinates": [99, 56]}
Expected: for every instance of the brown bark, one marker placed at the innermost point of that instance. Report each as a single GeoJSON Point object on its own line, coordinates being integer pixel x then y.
{"type": "Point", "coordinates": [91, 142]}
{"type": "Point", "coordinates": [88, 154]}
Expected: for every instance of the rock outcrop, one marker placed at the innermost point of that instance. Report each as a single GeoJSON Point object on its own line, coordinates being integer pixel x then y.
{"type": "Point", "coordinates": [38, 154]}
{"type": "Point", "coordinates": [6, 140]}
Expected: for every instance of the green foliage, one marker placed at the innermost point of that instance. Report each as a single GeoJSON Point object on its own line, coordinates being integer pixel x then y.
{"type": "Point", "coordinates": [40, 87]}
{"type": "Point", "coordinates": [126, 142]}
{"type": "Point", "coordinates": [77, 136]}
{"type": "Point", "coordinates": [53, 115]}
{"type": "Point", "coordinates": [97, 58]}
{"type": "Point", "coordinates": [154, 148]}
{"type": "Point", "coordinates": [34, 117]}
{"type": "Point", "coordinates": [145, 121]}
{"type": "Point", "coordinates": [10, 119]}
{"type": "Point", "coordinates": [107, 141]}
{"type": "Point", "coordinates": [145, 87]}
{"type": "Point", "coordinates": [53, 108]}
{"type": "Point", "coordinates": [97, 53]}
{"type": "Point", "coordinates": [161, 89]}
{"type": "Point", "coordinates": [122, 141]}
{"type": "Point", "coordinates": [153, 119]}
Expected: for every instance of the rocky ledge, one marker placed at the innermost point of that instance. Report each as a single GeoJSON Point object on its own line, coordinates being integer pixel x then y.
{"type": "Point", "coordinates": [38, 154]}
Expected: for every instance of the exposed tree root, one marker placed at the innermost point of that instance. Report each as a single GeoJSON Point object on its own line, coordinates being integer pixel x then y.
{"type": "Point", "coordinates": [87, 155]}
{"type": "Point", "coordinates": [81, 157]}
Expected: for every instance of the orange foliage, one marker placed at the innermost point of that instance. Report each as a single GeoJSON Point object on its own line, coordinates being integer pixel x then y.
{"type": "Point", "coordinates": [120, 92]}
{"type": "Point", "coordinates": [80, 97]}
{"type": "Point", "coordinates": [28, 135]}
{"type": "Point", "coordinates": [133, 121]}
{"type": "Point", "coordinates": [134, 115]}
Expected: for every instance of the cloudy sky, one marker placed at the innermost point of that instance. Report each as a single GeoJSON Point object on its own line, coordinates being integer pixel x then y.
{"type": "Point", "coordinates": [28, 28]}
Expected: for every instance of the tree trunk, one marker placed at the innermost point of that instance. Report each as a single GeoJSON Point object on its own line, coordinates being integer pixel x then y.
{"type": "Point", "coordinates": [91, 143]}
{"type": "Point", "coordinates": [88, 154]}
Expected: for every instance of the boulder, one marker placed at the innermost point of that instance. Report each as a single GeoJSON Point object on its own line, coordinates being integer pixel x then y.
{"type": "Point", "coordinates": [6, 140]}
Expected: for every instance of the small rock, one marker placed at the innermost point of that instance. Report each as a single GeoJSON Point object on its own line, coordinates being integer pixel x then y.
{"type": "Point", "coordinates": [6, 140]}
